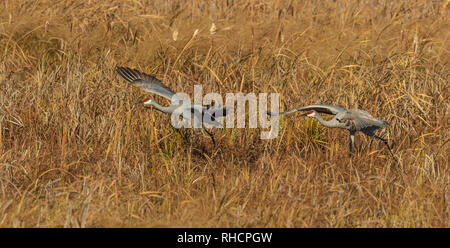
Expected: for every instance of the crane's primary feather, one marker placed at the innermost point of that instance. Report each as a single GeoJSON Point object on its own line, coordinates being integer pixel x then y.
{"type": "Point", "coordinates": [147, 82]}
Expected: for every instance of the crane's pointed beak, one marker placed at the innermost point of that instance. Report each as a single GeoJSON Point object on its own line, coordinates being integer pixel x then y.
{"type": "Point", "coordinates": [137, 103]}
{"type": "Point", "coordinates": [304, 114]}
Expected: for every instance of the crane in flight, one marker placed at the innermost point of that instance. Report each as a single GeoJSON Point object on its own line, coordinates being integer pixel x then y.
{"type": "Point", "coordinates": [153, 85]}
{"type": "Point", "coordinates": [353, 120]}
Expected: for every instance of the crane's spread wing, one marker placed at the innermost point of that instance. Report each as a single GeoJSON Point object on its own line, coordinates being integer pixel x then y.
{"type": "Point", "coordinates": [321, 108]}
{"type": "Point", "coordinates": [363, 120]}
{"type": "Point", "coordinates": [146, 82]}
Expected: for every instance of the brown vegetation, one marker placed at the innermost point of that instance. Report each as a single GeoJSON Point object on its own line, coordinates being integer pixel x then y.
{"type": "Point", "coordinates": [74, 152]}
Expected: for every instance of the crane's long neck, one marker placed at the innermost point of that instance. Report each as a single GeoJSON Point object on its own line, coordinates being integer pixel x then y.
{"type": "Point", "coordinates": [330, 123]}
{"type": "Point", "coordinates": [168, 109]}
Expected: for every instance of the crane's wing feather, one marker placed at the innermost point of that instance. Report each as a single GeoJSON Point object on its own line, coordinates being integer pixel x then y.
{"type": "Point", "coordinates": [363, 120]}
{"type": "Point", "coordinates": [146, 82]}
{"type": "Point", "coordinates": [361, 112]}
{"type": "Point", "coordinates": [321, 108]}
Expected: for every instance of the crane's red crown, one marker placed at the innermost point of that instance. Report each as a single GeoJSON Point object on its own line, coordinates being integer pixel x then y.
{"type": "Point", "coordinates": [146, 98]}
{"type": "Point", "coordinates": [309, 112]}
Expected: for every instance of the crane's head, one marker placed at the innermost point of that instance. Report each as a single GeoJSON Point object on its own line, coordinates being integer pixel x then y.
{"type": "Point", "coordinates": [146, 101]}
{"type": "Point", "coordinates": [310, 113]}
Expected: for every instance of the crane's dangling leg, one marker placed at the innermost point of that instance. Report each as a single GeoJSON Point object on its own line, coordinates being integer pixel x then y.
{"type": "Point", "coordinates": [352, 143]}
{"type": "Point", "coordinates": [387, 145]}
{"type": "Point", "coordinates": [210, 135]}
{"type": "Point", "coordinates": [195, 136]}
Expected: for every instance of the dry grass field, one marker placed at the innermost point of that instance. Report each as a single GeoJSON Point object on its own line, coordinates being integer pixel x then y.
{"type": "Point", "coordinates": [75, 152]}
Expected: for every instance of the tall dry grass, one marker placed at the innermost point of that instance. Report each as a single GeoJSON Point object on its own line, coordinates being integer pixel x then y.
{"type": "Point", "coordinates": [74, 152]}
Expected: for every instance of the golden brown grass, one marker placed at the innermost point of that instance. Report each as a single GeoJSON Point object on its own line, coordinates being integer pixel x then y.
{"type": "Point", "coordinates": [73, 151]}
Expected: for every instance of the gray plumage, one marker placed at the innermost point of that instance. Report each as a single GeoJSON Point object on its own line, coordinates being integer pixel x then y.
{"type": "Point", "coordinates": [153, 85]}
{"type": "Point", "coordinates": [353, 120]}
{"type": "Point", "coordinates": [146, 82]}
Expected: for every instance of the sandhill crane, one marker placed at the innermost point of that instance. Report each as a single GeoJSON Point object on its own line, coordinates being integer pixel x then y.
{"type": "Point", "coordinates": [352, 120]}
{"type": "Point", "coordinates": [151, 84]}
